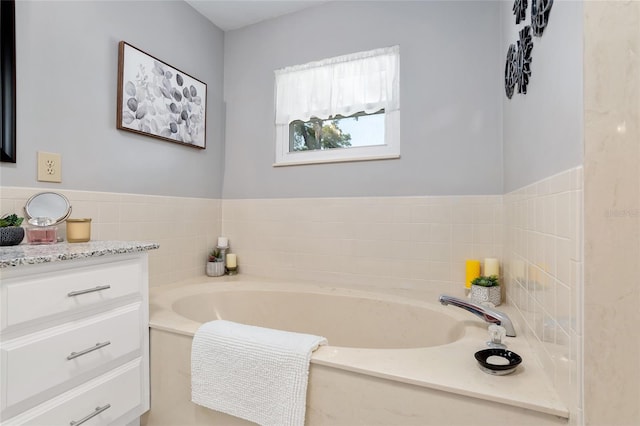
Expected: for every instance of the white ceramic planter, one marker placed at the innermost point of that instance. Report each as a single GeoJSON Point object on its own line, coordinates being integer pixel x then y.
{"type": "Point", "coordinates": [481, 294]}
{"type": "Point", "coordinates": [215, 269]}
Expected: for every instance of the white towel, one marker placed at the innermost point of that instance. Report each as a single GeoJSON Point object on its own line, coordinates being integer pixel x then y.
{"type": "Point", "coordinates": [255, 373]}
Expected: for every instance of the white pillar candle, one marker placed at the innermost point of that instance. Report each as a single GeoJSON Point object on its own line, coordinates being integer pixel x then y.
{"type": "Point", "coordinates": [491, 267]}
{"type": "Point", "coordinates": [223, 241]}
{"type": "Point", "coordinates": [231, 260]}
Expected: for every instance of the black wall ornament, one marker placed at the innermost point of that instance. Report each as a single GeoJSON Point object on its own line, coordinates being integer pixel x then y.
{"type": "Point", "coordinates": [520, 10]}
{"type": "Point", "coordinates": [525, 46]}
{"type": "Point", "coordinates": [540, 10]}
{"type": "Point", "coordinates": [510, 70]}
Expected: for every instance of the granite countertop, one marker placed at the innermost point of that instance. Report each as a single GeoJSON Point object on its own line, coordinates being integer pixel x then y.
{"type": "Point", "coordinates": [26, 254]}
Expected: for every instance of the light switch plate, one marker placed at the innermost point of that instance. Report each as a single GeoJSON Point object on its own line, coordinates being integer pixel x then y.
{"type": "Point", "coordinates": [49, 167]}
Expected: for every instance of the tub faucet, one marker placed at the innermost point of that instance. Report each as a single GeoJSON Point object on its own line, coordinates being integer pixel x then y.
{"type": "Point", "coordinates": [485, 313]}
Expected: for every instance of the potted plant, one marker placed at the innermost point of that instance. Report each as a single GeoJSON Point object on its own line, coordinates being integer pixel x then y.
{"type": "Point", "coordinates": [486, 289]}
{"type": "Point", "coordinates": [11, 233]}
{"type": "Point", "coordinates": [215, 264]}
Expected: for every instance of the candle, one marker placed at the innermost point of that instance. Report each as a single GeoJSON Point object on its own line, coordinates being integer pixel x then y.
{"type": "Point", "coordinates": [78, 230]}
{"type": "Point", "coordinates": [472, 271]}
{"type": "Point", "coordinates": [491, 267]}
{"type": "Point", "coordinates": [232, 261]}
{"type": "Point", "coordinates": [223, 241]}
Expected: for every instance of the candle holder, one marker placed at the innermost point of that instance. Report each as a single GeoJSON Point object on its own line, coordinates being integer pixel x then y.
{"type": "Point", "coordinates": [233, 270]}
{"type": "Point", "coordinates": [223, 253]}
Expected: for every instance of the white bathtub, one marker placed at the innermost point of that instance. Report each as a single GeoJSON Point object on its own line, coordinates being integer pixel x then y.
{"type": "Point", "coordinates": [345, 319]}
{"type": "Point", "coordinates": [390, 360]}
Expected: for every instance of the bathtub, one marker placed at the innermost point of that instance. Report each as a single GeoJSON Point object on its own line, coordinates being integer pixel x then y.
{"type": "Point", "coordinates": [390, 360]}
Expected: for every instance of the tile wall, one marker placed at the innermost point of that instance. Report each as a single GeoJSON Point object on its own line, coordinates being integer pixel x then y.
{"type": "Point", "coordinates": [185, 228]}
{"type": "Point", "coordinates": [543, 271]}
{"type": "Point", "coordinates": [385, 242]}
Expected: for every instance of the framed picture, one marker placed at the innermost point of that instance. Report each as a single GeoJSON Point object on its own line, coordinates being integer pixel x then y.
{"type": "Point", "coordinates": [158, 100]}
{"type": "Point", "coordinates": [7, 82]}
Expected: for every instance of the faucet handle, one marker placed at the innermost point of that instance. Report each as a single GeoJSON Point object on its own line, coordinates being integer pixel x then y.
{"type": "Point", "coordinates": [497, 334]}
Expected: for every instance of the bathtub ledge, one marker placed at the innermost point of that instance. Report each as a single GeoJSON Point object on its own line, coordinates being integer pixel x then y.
{"type": "Point", "coordinates": [453, 368]}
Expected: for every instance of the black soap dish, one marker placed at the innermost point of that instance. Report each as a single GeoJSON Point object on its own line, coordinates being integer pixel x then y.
{"type": "Point", "coordinates": [507, 361]}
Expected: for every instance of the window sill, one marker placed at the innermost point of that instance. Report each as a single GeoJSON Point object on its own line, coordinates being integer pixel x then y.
{"type": "Point", "coordinates": [336, 160]}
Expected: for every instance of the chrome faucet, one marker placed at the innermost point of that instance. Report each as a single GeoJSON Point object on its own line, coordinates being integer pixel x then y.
{"type": "Point", "coordinates": [485, 313]}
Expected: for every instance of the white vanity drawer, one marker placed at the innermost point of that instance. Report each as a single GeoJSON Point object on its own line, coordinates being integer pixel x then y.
{"type": "Point", "coordinates": [115, 393]}
{"type": "Point", "coordinates": [42, 295]}
{"type": "Point", "coordinates": [43, 360]}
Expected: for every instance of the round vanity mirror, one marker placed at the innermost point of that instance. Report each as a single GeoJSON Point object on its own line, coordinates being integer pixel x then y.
{"type": "Point", "coordinates": [46, 205]}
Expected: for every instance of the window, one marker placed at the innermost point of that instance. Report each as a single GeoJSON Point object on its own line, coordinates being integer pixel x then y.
{"type": "Point", "coordinates": [359, 129]}
{"type": "Point", "coordinates": [345, 108]}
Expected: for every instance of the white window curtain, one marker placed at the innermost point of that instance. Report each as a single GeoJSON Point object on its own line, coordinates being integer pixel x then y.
{"type": "Point", "coordinates": [363, 81]}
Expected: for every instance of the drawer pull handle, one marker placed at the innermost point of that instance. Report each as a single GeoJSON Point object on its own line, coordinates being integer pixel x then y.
{"type": "Point", "coordinates": [73, 355]}
{"type": "Point", "coordinates": [89, 290]}
{"type": "Point", "coordinates": [97, 411]}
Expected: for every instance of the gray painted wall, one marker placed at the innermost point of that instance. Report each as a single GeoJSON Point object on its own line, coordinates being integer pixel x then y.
{"type": "Point", "coordinates": [542, 130]}
{"type": "Point", "coordinates": [455, 117]}
{"type": "Point", "coordinates": [451, 99]}
{"type": "Point", "coordinates": [67, 55]}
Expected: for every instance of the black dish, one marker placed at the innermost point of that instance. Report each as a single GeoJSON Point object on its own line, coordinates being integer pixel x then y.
{"type": "Point", "coordinates": [498, 369]}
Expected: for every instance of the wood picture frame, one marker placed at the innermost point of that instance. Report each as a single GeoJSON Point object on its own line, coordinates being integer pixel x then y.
{"type": "Point", "coordinates": [158, 100]}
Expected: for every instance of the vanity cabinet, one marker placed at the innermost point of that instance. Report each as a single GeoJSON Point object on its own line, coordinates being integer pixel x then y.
{"type": "Point", "coordinates": [74, 342]}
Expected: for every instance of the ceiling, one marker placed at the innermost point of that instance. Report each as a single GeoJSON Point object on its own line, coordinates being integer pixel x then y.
{"type": "Point", "coordinates": [233, 14]}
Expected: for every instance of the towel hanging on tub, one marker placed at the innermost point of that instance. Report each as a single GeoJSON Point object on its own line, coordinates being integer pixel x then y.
{"type": "Point", "coordinates": [259, 374]}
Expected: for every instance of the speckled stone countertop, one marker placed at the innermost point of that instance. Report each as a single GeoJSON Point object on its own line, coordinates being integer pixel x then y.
{"type": "Point", "coordinates": [25, 254]}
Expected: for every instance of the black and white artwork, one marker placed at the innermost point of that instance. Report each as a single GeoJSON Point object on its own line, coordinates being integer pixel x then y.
{"type": "Point", "coordinates": [540, 10]}
{"type": "Point", "coordinates": [525, 46]}
{"type": "Point", "coordinates": [510, 70]}
{"type": "Point", "coordinates": [520, 10]}
{"type": "Point", "coordinates": [157, 100]}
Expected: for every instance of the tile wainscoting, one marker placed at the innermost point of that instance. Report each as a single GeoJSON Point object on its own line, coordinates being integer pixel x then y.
{"type": "Point", "coordinates": [384, 242]}
{"type": "Point", "coordinates": [185, 228]}
{"type": "Point", "coordinates": [395, 244]}
{"type": "Point", "coordinates": [544, 275]}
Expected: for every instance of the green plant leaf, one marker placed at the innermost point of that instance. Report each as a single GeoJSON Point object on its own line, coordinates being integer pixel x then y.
{"type": "Point", "coordinates": [11, 220]}
{"type": "Point", "coordinates": [490, 281]}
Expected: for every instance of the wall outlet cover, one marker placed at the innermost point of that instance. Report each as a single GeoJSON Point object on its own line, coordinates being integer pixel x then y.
{"type": "Point", "coordinates": [49, 167]}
